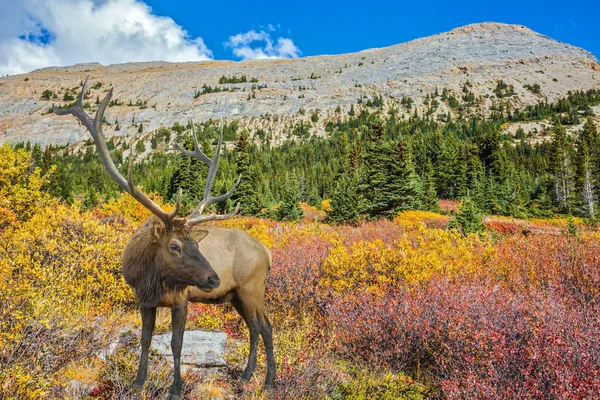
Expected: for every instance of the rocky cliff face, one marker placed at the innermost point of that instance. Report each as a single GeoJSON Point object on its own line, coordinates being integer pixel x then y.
{"type": "Point", "coordinates": [292, 90]}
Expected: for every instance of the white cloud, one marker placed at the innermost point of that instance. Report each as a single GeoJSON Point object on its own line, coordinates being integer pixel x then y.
{"type": "Point", "coordinates": [41, 33]}
{"type": "Point", "coordinates": [254, 45]}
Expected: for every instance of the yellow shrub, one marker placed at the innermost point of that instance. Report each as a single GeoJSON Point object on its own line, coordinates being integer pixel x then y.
{"type": "Point", "coordinates": [257, 228]}
{"type": "Point", "coordinates": [20, 191]}
{"type": "Point", "coordinates": [410, 260]}
{"type": "Point", "coordinates": [561, 222]}
{"type": "Point", "coordinates": [131, 209]}
{"type": "Point", "coordinates": [414, 218]}
{"type": "Point", "coordinates": [60, 276]}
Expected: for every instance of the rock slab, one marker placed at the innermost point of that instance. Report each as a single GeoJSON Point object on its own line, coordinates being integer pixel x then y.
{"type": "Point", "coordinates": [202, 349]}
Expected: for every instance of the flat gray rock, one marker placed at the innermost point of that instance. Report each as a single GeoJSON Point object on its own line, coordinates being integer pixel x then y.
{"type": "Point", "coordinates": [203, 349]}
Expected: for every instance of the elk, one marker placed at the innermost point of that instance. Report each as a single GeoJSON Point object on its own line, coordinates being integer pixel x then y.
{"type": "Point", "coordinates": [168, 263]}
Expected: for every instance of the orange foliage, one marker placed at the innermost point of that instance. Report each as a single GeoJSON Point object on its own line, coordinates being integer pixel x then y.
{"type": "Point", "coordinates": [482, 317]}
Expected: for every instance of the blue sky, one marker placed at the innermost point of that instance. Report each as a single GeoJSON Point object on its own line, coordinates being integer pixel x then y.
{"type": "Point", "coordinates": [328, 27]}
{"type": "Point", "coordinates": [41, 33]}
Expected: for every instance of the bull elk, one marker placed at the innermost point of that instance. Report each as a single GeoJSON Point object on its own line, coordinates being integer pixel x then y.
{"type": "Point", "coordinates": [168, 264]}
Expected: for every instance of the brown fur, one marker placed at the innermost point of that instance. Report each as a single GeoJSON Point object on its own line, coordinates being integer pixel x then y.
{"type": "Point", "coordinates": [159, 280]}
{"type": "Point", "coordinates": [167, 267]}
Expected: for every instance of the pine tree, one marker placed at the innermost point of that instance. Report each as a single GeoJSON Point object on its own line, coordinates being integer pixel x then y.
{"type": "Point", "coordinates": [587, 170]}
{"type": "Point", "coordinates": [561, 163]}
{"type": "Point", "coordinates": [375, 160]}
{"type": "Point", "coordinates": [403, 184]}
{"type": "Point", "coordinates": [289, 208]}
{"type": "Point", "coordinates": [430, 201]}
{"type": "Point", "coordinates": [246, 193]}
{"type": "Point", "coordinates": [345, 200]}
{"type": "Point", "coordinates": [469, 218]}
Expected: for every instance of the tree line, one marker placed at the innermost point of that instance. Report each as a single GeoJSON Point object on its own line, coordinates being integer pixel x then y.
{"type": "Point", "coordinates": [370, 165]}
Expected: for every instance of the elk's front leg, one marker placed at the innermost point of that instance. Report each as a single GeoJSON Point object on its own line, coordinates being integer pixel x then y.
{"type": "Point", "coordinates": [148, 320]}
{"type": "Point", "coordinates": [178, 316]}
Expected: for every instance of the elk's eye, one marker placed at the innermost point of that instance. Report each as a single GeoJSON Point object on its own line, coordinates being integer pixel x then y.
{"type": "Point", "coordinates": [174, 246]}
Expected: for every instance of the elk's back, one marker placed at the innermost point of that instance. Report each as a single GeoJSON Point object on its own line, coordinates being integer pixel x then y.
{"type": "Point", "coordinates": [237, 258]}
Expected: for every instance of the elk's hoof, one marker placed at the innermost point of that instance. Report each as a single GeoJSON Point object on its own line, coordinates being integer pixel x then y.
{"type": "Point", "coordinates": [268, 387]}
{"type": "Point", "coordinates": [137, 385]}
{"type": "Point", "coordinates": [172, 396]}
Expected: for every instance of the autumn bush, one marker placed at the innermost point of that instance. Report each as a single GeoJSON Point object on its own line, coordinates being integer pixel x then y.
{"type": "Point", "coordinates": [385, 309]}
{"type": "Point", "coordinates": [473, 339]}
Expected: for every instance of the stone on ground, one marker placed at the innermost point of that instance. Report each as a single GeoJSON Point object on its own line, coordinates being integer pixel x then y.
{"type": "Point", "coordinates": [200, 349]}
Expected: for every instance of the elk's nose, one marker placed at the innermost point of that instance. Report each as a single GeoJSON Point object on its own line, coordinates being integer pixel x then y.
{"type": "Point", "coordinates": [213, 280]}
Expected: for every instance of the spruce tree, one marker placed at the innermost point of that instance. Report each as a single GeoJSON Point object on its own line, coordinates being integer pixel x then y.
{"type": "Point", "coordinates": [389, 182]}
{"type": "Point", "coordinates": [469, 218]}
{"type": "Point", "coordinates": [60, 184]}
{"type": "Point", "coordinates": [140, 147]}
{"type": "Point", "coordinates": [430, 201]}
{"type": "Point", "coordinates": [375, 160]}
{"type": "Point", "coordinates": [448, 170]}
{"type": "Point", "coordinates": [355, 156]}
{"type": "Point", "coordinates": [91, 199]}
{"type": "Point", "coordinates": [190, 176]}
{"type": "Point", "coordinates": [404, 190]}
{"type": "Point", "coordinates": [345, 200]}
{"type": "Point", "coordinates": [246, 193]}
{"type": "Point", "coordinates": [587, 170]}
{"type": "Point", "coordinates": [562, 168]}
{"type": "Point", "coordinates": [289, 208]}
{"type": "Point", "coordinates": [47, 160]}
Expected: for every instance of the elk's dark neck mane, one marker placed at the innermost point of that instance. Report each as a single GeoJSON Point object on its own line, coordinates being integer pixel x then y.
{"type": "Point", "coordinates": [142, 266]}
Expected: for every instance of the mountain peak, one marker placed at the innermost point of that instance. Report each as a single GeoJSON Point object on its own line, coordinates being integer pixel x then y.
{"type": "Point", "coordinates": [491, 26]}
{"type": "Point", "coordinates": [289, 91]}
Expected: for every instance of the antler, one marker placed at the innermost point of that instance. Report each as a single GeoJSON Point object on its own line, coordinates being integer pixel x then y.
{"type": "Point", "coordinates": [207, 199]}
{"type": "Point", "coordinates": [94, 126]}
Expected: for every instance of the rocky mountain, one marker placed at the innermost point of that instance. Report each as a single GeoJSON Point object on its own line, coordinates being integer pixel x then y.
{"type": "Point", "coordinates": [287, 91]}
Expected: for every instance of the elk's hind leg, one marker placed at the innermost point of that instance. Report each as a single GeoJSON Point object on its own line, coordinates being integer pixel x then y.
{"type": "Point", "coordinates": [251, 308]}
{"type": "Point", "coordinates": [148, 320]}
{"type": "Point", "coordinates": [249, 316]}
{"type": "Point", "coordinates": [266, 331]}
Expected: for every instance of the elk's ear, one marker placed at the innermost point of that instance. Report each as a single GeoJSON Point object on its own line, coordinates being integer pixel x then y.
{"type": "Point", "coordinates": [156, 230]}
{"type": "Point", "coordinates": [198, 235]}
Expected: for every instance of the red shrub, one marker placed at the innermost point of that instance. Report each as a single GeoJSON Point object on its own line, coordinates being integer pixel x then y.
{"type": "Point", "coordinates": [504, 227]}
{"type": "Point", "coordinates": [560, 263]}
{"type": "Point", "coordinates": [477, 340]}
{"type": "Point", "coordinates": [312, 377]}
{"type": "Point", "coordinates": [449, 205]}
{"type": "Point", "coordinates": [293, 283]}
{"type": "Point", "coordinates": [383, 229]}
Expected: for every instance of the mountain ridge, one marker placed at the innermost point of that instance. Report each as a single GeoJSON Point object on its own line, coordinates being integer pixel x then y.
{"type": "Point", "coordinates": [292, 90]}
